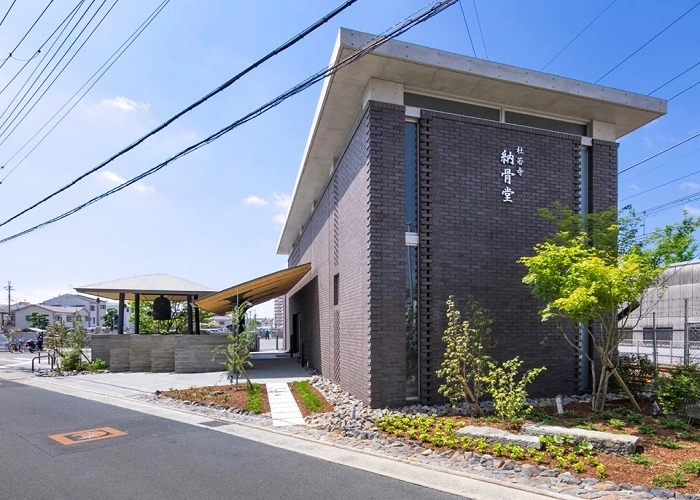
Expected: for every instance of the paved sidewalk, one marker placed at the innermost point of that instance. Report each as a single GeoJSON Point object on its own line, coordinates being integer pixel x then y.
{"type": "Point", "coordinates": [283, 407]}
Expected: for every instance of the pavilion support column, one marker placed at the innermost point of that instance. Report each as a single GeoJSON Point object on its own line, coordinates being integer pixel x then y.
{"type": "Point", "coordinates": [189, 315]}
{"type": "Point", "coordinates": [137, 313]}
{"type": "Point", "coordinates": [120, 327]}
{"type": "Point", "coordinates": [198, 331]}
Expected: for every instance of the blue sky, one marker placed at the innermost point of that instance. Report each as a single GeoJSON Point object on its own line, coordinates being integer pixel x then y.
{"type": "Point", "coordinates": [215, 216]}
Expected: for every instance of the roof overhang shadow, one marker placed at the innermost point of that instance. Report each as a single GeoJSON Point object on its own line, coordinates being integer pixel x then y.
{"type": "Point", "coordinates": [255, 291]}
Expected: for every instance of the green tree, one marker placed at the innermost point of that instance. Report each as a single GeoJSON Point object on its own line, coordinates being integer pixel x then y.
{"type": "Point", "coordinates": [237, 351]}
{"type": "Point", "coordinates": [593, 271]}
{"type": "Point", "coordinates": [466, 360]}
{"type": "Point", "coordinates": [111, 319]}
{"type": "Point", "coordinates": [176, 324]}
{"type": "Point", "coordinates": [39, 320]}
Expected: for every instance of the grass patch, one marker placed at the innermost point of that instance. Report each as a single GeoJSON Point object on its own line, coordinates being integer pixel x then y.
{"type": "Point", "coordinates": [308, 397]}
{"type": "Point", "coordinates": [669, 443]}
{"type": "Point", "coordinates": [688, 436]}
{"type": "Point", "coordinates": [690, 466]}
{"type": "Point", "coordinates": [254, 403]}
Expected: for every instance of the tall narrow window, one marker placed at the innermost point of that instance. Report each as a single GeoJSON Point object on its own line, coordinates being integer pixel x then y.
{"type": "Point", "coordinates": [412, 353]}
{"type": "Point", "coordinates": [336, 291]}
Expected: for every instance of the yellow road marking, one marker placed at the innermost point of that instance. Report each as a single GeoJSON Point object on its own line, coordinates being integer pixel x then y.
{"type": "Point", "coordinates": [88, 435]}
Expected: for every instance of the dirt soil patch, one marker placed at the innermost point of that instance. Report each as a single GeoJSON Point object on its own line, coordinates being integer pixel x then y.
{"type": "Point", "coordinates": [225, 396]}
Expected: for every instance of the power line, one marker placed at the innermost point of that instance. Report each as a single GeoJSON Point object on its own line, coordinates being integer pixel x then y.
{"type": "Point", "coordinates": [221, 87]}
{"type": "Point", "coordinates": [578, 35]}
{"type": "Point", "coordinates": [5, 131]}
{"type": "Point", "coordinates": [671, 204]}
{"type": "Point", "coordinates": [647, 43]}
{"type": "Point", "coordinates": [9, 124]}
{"type": "Point", "coordinates": [663, 164]}
{"type": "Point", "coordinates": [70, 15]}
{"type": "Point", "coordinates": [478, 21]}
{"type": "Point", "coordinates": [661, 185]}
{"type": "Point", "coordinates": [467, 26]}
{"type": "Point", "coordinates": [422, 16]}
{"type": "Point", "coordinates": [659, 153]}
{"type": "Point", "coordinates": [684, 91]}
{"type": "Point", "coordinates": [674, 78]}
{"type": "Point", "coordinates": [8, 11]}
{"type": "Point", "coordinates": [28, 31]}
{"type": "Point", "coordinates": [103, 69]}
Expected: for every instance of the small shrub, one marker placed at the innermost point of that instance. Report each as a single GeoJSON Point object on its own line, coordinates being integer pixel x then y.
{"type": "Point", "coordinates": [670, 480]}
{"type": "Point", "coordinates": [688, 436]}
{"type": "Point", "coordinates": [516, 452]}
{"type": "Point", "coordinates": [538, 415]}
{"type": "Point", "coordinates": [508, 394]}
{"type": "Point", "coordinates": [638, 373]}
{"type": "Point", "coordinates": [71, 361]}
{"type": "Point", "coordinates": [600, 469]}
{"type": "Point", "coordinates": [673, 423]}
{"type": "Point", "coordinates": [690, 466]}
{"type": "Point", "coordinates": [646, 429]}
{"type": "Point", "coordinates": [96, 364]}
{"type": "Point", "coordinates": [616, 423]}
{"type": "Point", "coordinates": [669, 443]}
{"type": "Point", "coordinates": [680, 390]}
{"type": "Point", "coordinates": [579, 467]}
{"type": "Point", "coordinates": [640, 459]}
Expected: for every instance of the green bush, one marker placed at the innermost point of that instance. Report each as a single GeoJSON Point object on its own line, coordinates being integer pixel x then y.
{"type": "Point", "coordinates": [680, 390]}
{"type": "Point", "coordinates": [71, 361]}
{"type": "Point", "coordinates": [638, 373]}
{"type": "Point", "coordinates": [96, 364]}
{"type": "Point", "coordinates": [508, 394]}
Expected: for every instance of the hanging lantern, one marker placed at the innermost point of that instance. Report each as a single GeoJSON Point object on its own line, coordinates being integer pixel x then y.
{"type": "Point", "coordinates": [161, 308]}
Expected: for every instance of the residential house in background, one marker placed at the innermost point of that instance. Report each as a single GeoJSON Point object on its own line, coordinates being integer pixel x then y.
{"type": "Point", "coordinates": [54, 313]}
{"type": "Point", "coordinates": [96, 308]}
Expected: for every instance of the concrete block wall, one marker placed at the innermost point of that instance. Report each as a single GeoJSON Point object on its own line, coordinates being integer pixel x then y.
{"type": "Point", "coordinates": [194, 353]}
{"type": "Point", "coordinates": [140, 353]}
{"type": "Point", "coordinates": [163, 353]}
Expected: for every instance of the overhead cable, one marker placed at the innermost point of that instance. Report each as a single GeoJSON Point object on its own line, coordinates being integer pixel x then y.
{"type": "Point", "coordinates": [464, 16]}
{"type": "Point", "coordinates": [481, 32]}
{"type": "Point", "coordinates": [661, 185]}
{"type": "Point", "coordinates": [197, 103]}
{"type": "Point", "coordinates": [648, 42]}
{"type": "Point", "coordinates": [659, 153]}
{"type": "Point", "coordinates": [578, 35]}
{"type": "Point", "coordinates": [8, 11]}
{"type": "Point", "coordinates": [28, 31]}
{"type": "Point", "coordinates": [422, 16]}
{"type": "Point", "coordinates": [95, 78]}
{"type": "Point", "coordinates": [674, 78]}
{"type": "Point", "coordinates": [45, 90]}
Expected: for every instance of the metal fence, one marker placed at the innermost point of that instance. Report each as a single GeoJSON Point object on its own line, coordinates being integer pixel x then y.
{"type": "Point", "coordinates": [668, 336]}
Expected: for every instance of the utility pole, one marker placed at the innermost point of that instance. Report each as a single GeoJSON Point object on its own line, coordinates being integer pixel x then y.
{"type": "Point", "coordinates": [9, 289]}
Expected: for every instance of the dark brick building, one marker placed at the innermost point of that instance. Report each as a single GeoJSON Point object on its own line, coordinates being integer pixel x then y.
{"type": "Point", "coordinates": [421, 179]}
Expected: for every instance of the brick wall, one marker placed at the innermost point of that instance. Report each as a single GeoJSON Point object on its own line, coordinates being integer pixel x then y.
{"type": "Point", "coordinates": [471, 239]}
{"type": "Point", "coordinates": [336, 241]}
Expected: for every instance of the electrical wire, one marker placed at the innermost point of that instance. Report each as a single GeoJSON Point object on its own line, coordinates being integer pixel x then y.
{"type": "Point", "coordinates": [648, 42]}
{"type": "Point", "coordinates": [481, 32]}
{"type": "Point", "coordinates": [578, 35]}
{"type": "Point", "coordinates": [422, 16]}
{"type": "Point", "coordinates": [661, 185]}
{"type": "Point", "coordinates": [68, 18]}
{"type": "Point", "coordinates": [5, 131]}
{"type": "Point", "coordinates": [5, 126]}
{"type": "Point", "coordinates": [28, 31]}
{"type": "Point", "coordinates": [219, 89]}
{"type": "Point", "coordinates": [659, 153]}
{"type": "Point", "coordinates": [674, 78]}
{"type": "Point", "coordinates": [8, 11]}
{"type": "Point", "coordinates": [663, 165]}
{"type": "Point", "coordinates": [464, 16]}
{"type": "Point", "coordinates": [101, 72]}
{"type": "Point", "coordinates": [683, 91]}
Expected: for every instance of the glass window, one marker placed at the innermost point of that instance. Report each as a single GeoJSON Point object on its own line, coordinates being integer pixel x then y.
{"type": "Point", "coordinates": [664, 333]}
{"type": "Point", "coordinates": [412, 354]}
{"type": "Point", "coordinates": [92, 307]}
{"type": "Point", "coordinates": [545, 123]}
{"type": "Point", "coordinates": [454, 107]}
{"type": "Point", "coordinates": [336, 291]}
{"type": "Point", "coordinates": [694, 332]}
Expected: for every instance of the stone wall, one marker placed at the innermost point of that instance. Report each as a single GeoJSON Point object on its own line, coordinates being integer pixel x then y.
{"type": "Point", "coordinates": [159, 353]}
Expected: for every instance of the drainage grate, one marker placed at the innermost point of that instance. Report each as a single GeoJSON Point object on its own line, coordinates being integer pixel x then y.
{"type": "Point", "coordinates": [214, 423]}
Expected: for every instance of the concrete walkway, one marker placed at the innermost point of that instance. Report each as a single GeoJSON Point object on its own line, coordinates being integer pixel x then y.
{"type": "Point", "coordinates": [283, 407]}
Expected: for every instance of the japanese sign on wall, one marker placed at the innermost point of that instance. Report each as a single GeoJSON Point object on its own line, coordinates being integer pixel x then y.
{"type": "Point", "coordinates": [510, 172]}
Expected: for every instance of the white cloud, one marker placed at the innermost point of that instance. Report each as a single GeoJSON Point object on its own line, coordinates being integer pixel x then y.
{"type": "Point", "coordinates": [125, 104]}
{"type": "Point", "coordinates": [690, 185]}
{"type": "Point", "coordinates": [280, 219]}
{"type": "Point", "coordinates": [255, 201]}
{"type": "Point", "coordinates": [634, 187]}
{"type": "Point", "coordinates": [282, 201]}
{"type": "Point", "coordinates": [114, 178]}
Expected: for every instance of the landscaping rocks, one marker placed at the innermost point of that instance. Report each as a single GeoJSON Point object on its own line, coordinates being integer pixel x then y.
{"type": "Point", "coordinates": [491, 435]}
{"type": "Point", "coordinates": [620, 444]}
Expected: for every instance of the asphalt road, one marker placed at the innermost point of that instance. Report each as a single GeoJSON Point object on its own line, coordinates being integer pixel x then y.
{"type": "Point", "coordinates": [157, 458]}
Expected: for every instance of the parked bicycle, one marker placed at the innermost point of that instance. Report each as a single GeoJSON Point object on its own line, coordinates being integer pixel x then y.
{"type": "Point", "coordinates": [15, 346]}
